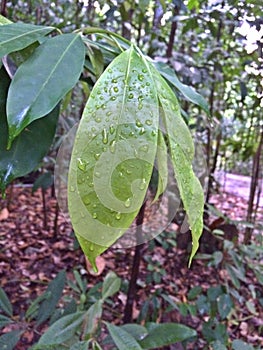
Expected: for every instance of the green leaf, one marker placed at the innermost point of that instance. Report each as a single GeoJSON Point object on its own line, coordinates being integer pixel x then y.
{"type": "Point", "coordinates": [44, 181]}
{"type": "Point", "coordinates": [111, 285]}
{"type": "Point", "coordinates": [55, 289]}
{"type": "Point", "coordinates": [217, 345]}
{"type": "Point", "coordinates": [4, 321]}
{"type": "Point", "coordinates": [93, 317]}
{"type": "Point", "coordinates": [33, 308]}
{"type": "Point", "coordinates": [96, 58]}
{"type": "Point", "coordinates": [182, 152]}
{"type": "Point", "coordinates": [122, 339]}
{"type": "Point", "coordinates": [113, 154]}
{"type": "Point", "coordinates": [241, 345]}
{"type": "Point", "coordinates": [138, 332]}
{"type": "Point", "coordinates": [4, 20]}
{"type": "Point", "coordinates": [43, 80]}
{"type": "Point", "coordinates": [188, 92]}
{"type": "Point", "coordinates": [17, 36]}
{"type": "Point", "coordinates": [62, 330]}
{"type": "Point", "coordinates": [9, 340]}
{"type": "Point", "coordinates": [160, 335]}
{"type": "Point", "coordinates": [162, 165]}
{"type": "Point", "coordinates": [225, 305]}
{"type": "Point", "coordinates": [5, 304]}
{"type": "Point", "coordinates": [24, 156]}
{"type": "Point", "coordinates": [81, 345]}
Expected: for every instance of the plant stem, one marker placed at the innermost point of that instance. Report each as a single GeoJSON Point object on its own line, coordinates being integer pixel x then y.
{"type": "Point", "coordinates": [127, 318]}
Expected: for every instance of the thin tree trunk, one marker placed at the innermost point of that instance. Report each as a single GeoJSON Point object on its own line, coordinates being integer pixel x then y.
{"type": "Point", "coordinates": [253, 187]}
{"type": "Point", "coordinates": [127, 318]}
{"type": "Point", "coordinates": [170, 45]}
{"type": "Point", "coordinates": [3, 8]}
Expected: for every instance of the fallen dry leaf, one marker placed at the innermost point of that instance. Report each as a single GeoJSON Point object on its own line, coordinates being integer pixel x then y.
{"type": "Point", "coordinates": [4, 214]}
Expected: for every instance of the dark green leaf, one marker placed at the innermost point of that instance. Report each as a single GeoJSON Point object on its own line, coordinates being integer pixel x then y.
{"type": "Point", "coordinates": [43, 80]}
{"type": "Point", "coordinates": [4, 321]}
{"type": "Point", "coordinates": [165, 334]}
{"type": "Point", "coordinates": [162, 166]}
{"type": "Point", "coordinates": [5, 304]}
{"type": "Point", "coordinates": [111, 285]}
{"type": "Point", "coordinates": [122, 338]}
{"type": "Point", "coordinates": [17, 36]}
{"type": "Point", "coordinates": [225, 305]}
{"type": "Point", "coordinates": [33, 308]}
{"type": "Point", "coordinates": [113, 154]}
{"type": "Point", "coordinates": [81, 345]}
{"type": "Point", "coordinates": [55, 288]}
{"type": "Point", "coordinates": [214, 292]}
{"type": "Point", "coordinates": [182, 152]}
{"type": "Point", "coordinates": [96, 59]}
{"type": "Point", "coordinates": [217, 345]}
{"type": "Point", "coordinates": [138, 332]}
{"type": "Point", "coordinates": [62, 330]}
{"type": "Point", "coordinates": [9, 340]}
{"type": "Point", "coordinates": [44, 181]}
{"type": "Point", "coordinates": [194, 292]}
{"type": "Point", "coordinates": [241, 345]}
{"type": "Point", "coordinates": [188, 92]}
{"type": "Point", "coordinates": [24, 156]}
{"type": "Point", "coordinates": [93, 317]}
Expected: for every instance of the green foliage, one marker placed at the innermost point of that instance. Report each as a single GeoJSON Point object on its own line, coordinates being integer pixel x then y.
{"type": "Point", "coordinates": [5, 304]}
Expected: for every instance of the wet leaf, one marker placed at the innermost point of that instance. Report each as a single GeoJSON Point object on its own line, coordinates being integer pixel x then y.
{"type": "Point", "coordinates": [43, 80]}
{"type": "Point", "coordinates": [162, 166]}
{"type": "Point", "coordinates": [113, 154]}
{"type": "Point", "coordinates": [182, 153]}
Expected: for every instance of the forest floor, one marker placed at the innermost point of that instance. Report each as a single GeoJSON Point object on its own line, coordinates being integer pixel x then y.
{"type": "Point", "coordinates": [32, 254]}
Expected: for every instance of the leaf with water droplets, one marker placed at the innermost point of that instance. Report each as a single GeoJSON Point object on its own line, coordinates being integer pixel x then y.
{"type": "Point", "coordinates": [162, 166]}
{"type": "Point", "coordinates": [113, 154]}
{"type": "Point", "coordinates": [182, 153]}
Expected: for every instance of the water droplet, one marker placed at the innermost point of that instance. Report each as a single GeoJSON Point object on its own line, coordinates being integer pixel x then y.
{"type": "Point", "coordinates": [94, 215]}
{"type": "Point", "coordinates": [91, 247]}
{"type": "Point", "coordinates": [148, 84]}
{"type": "Point", "coordinates": [140, 77]}
{"type": "Point", "coordinates": [140, 106]}
{"type": "Point", "coordinates": [72, 189]}
{"type": "Point", "coordinates": [128, 171]}
{"type": "Point", "coordinates": [138, 123]}
{"type": "Point", "coordinates": [97, 174]}
{"type": "Point", "coordinates": [130, 88]}
{"type": "Point", "coordinates": [121, 174]}
{"type": "Point", "coordinates": [105, 89]}
{"type": "Point", "coordinates": [112, 129]}
{"type": "Point", "coordinates": [96, 156]}
{"type": "Point", "coordinates": [86, 200]}
{"type": "Point", "coordinates": [114, 81]}
{"type": "Point", "coordinates": [130, 96]}
{"type": "Point", "coordinates": [142, 131]}
{"type": "Point", "coordinates": [90, 184]}
{"type": "Point", "coordinates": [154, 133]}
{"type": "Point", "coordinates": [116, 89]}
{"type": "Point", "coordinates": [110, 70]}
{"type": "Point", "coordinates": [113, 146]}
{"type": "Point", "coordinates": [131, 133]}
{"type": "Point", "coordinates": [103, 106]}
{"type": "Point", "coordinates": [82, 165]}
{"type": "Point", "coordinates": [82, 214]}
{"type": "Point", "coordinates": [144, 148]}
{"type": "Point", "coordinates": [118, 216]}
{"type": "Point", "coordinates": [127, 203]}
{"type": "Point", "coordinates": [142, 184]}
{"type": "Point", "coordinates": [144, 70]}
{"type": "Point", "coordinates": [94, 206]}
{"type": "Point", "coordinates": [109, 113]}
{"type": "Point", "coordinates": [98, 119]}
{"type": "Point", "coordinates": [113, 98]}
{"type": "Point", "coordinates": [104, 136]}
{"type": "Point", "coordinates": [149, 122]}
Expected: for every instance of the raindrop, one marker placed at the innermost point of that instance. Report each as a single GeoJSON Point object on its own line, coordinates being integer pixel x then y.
{"type": "Point", "coordinates": [97, 174]}
{"type": "Point", "coordinates": [72, 189]}
{"type": "Point", "coordinates": [121, 174]}
{"type": "Point", "coordinates": [110, 70]}
{"type": "Point", "coordinates": [128, 171]}
{"type": "Point", "coordinates": [114, 81]}
{"type": "Point", "coordinates": [142, 184]}
{"type": "Point", "coordinates": [140, 77]}
{"type": "Point", "coordinates": [113, 146]}
{"type": "Point", "coordinates": [131, 96]}
{"type": "Point", "coordinates": [82, 214]}
{"type": "Point", "coordinates": [109, 113]}
{"type": "Point", "coordinates": [144, 148]}
{"type": "Point", "coordinates": [94, 215]}
{"type": "Point", "coordinates": [142, 131]}
{"type": "Point", "coordinates": [116, 89]}
{"type": "Point", "coordinates": [91, 247]}
{"type": "Point", "coordinates": [96, 156]}
{"type": "Point", "coordinates": [90, 184]}
{"type": "Point", "coordinates": [105, 89]}
{"type": "Point", "coordinates": [127, 203]}
{"type": "Point", "coordinates": [144, 70]}
{"type": "Point", "coordinates": [94, 206]}
{"type": "Point", "coordinates": [148, 84]}
{"type": "Point", "coordinates": [113, 98]}
{"type": "Point", "coordinates": [86, 200]}
{"type": "Point", "coordinates": [138, 123]}
{"type": "Point", "coordinates": [112, 129]}
{"type": "Point", "coordinates": [103, 106]}
{"type": "Point", "coordinates": [154, 133]}
{"type": "Point", "coordinates": [82, 165]}
{"type": "Point", "coordinates": [149, 122]}
{"type": "Point", "coordinates": [104, 136]}
{"type": "Point", "coordinates": [140, 106]}
{"type": "Point", "coordinates": [118, 216]}
{"type": "Point", "coordinates": [98, 119]}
